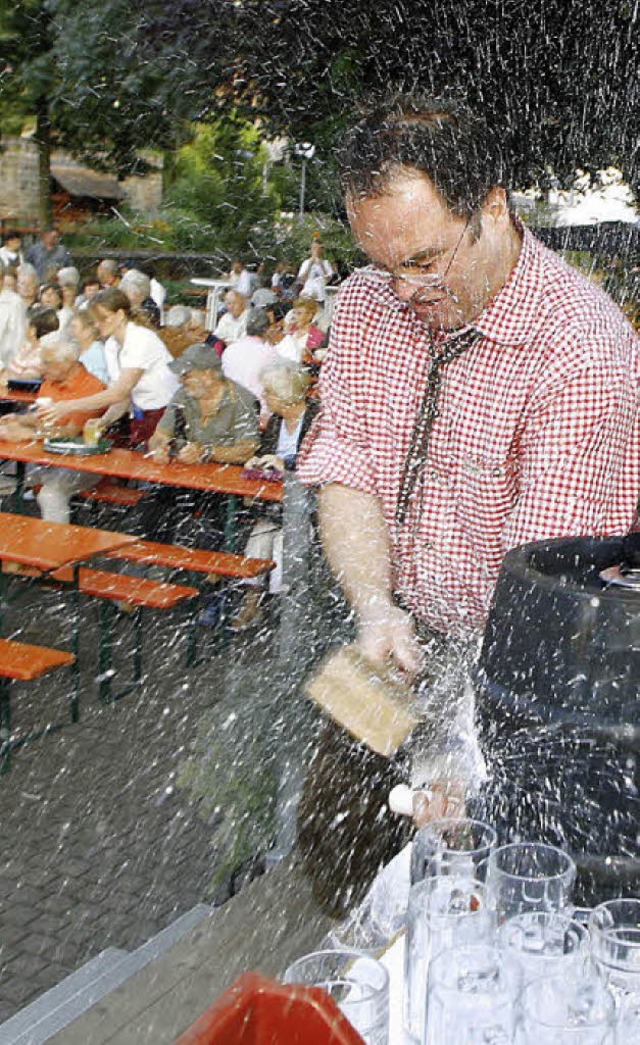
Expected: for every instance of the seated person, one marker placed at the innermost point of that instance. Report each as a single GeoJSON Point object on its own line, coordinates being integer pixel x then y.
{"type": "Point", "coordinates": [138, 368]}
{"type": "Point", "coordinates": [137, 286]}
{"type": "Point", "coordinates": [285, 386]}
{"type": "Point", "coordinates": [208, 419]}
{"type": "Point", "coordinates": [69, 282]}
{"type": "Point", "coordinates": [64, 378]}
{"type": "Point", "coordinates": [27, 363]}
{"type": "Point", "coordinates": [233, 324]}
{"type": "Point", "coordinates": [244, 360]}
{"type": "Point", "coordinates": [84, 330]}
{"type": "Point", "coordinates": [302, 342]}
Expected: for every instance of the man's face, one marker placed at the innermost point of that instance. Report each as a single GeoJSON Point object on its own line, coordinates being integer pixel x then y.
{"type": "Point", "coordinates": [54, 368]}
{"type": "Point", "coordinates": [27, 286]}
{"type": "Point", "coordinates": [14, 244]}
{"type": "Point", "coordinates": [198, 383]}
{"type": "Point", "coordinates": [50, 238]}
{"type": "Point", "coordinates": [235, 303]}
{"type": "Point", "coordinates": [106, 277]}
{"type": "Point", "coordinates": [448, 264]}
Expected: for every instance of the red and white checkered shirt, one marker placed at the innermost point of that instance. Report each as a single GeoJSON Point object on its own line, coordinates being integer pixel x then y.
{"type": "Point", "coordinates": [537, 435]}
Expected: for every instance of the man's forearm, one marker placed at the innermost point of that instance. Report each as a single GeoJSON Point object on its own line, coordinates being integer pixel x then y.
{"type": "Point", "coordinates": [356, 542]}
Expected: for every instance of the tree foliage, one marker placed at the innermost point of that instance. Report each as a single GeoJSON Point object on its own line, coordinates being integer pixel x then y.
{"type": "Point", "coordinates": [559, 79]}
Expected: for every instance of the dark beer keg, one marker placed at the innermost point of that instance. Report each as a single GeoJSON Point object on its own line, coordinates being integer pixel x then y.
{"type": "Point", "coordinates": [558, 693]}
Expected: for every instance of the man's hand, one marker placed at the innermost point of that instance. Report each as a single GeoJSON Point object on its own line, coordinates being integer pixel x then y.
{"type": "Point", "coordinates": [191, 453]}
{"type": "Point", "coordinates": [443, 799]}
{"type": "Point", "coordinates": [386, 630]}
{"type": "Point", "coordinates": [160, 453]}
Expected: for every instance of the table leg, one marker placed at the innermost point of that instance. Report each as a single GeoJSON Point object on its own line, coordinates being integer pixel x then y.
{"type": "Point", "coordinates": [230, 522]}
{"type": "Point", "coordinates": [18, 493]}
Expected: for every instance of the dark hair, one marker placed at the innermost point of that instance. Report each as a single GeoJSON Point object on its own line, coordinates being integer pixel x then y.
{"type": "Point", "coordinates": [44, 320]}
{"type": "Point", "coordinates": [50, 286]}
{"type": "Point", "coordinates": [11, 234]}
{"type": "Point", "coordinates": [278, 309]}
{"type": "Point", "coordinates": [454, 147]}
{"type": "Point", "coordinates": [112, 299]}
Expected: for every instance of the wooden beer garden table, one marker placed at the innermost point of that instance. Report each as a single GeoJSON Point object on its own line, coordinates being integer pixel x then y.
{"type": "Point", "coordinates": [6, 396]}
{"type": "Point", "coordinates": [226, 479]}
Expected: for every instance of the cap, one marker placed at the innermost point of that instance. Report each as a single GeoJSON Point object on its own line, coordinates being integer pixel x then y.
{"type": "Point", "coordinates": [196, 357]}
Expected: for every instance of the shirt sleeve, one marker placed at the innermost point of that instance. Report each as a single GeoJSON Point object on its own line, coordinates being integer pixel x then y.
{"type": "Point", "coordinates": [167, 423]}
{"type": "Point", "coordinates": [580, 458]}
{"type": "Point", "coordinates": [245, 427]}
{"type": "Point", "coordinates": [337, 448]}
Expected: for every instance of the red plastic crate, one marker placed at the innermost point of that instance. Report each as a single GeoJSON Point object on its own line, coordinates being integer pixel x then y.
{"type": "Point", "coordinates": [258, 1011]}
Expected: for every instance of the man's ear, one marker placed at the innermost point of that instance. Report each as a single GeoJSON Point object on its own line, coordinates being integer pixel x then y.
{"type": "Point", "coordinates": [496, 204]}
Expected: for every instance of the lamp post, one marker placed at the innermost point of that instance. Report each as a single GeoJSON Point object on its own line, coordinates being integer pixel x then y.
{"type": "Point", "coordinates": [305, 151]}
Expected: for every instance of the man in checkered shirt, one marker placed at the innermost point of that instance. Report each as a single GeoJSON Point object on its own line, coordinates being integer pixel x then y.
{"type": "Point", "coordinates": [535, 372]}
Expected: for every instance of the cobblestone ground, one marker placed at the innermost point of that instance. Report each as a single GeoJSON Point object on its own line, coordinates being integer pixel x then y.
{"type": "Point", "coordinates": [99, 846]}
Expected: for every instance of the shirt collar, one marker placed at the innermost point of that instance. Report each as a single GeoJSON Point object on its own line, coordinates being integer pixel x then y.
{"type": "Point", "coordinates": [508, 317]}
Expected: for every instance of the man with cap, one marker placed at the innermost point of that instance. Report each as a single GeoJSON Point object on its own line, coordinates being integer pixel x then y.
{"type": "Point", "coordinates": [208, 419]}
{"type": "Point", "coordinates": [219, 417]}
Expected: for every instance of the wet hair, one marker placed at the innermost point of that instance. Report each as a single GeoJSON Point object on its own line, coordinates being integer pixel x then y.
{"type": "Point", "coordinates": [111, 299]}
{"type": "Point", "coordinates": [287, 381]}
{"type": "Point", "coordinates": [43, 319]}
{"type": "Point", "coordinates": [457, 150]}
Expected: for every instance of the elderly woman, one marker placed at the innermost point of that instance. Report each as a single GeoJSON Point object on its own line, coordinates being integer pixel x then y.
{"type": "Point", "coordinates": [138, 367]}
{"type": "Point", "coordinates": [69, 283]}
{"type": "Point", "coordinates": [84, 331]}
{"type": "Point", "coordinates": [64, 378]}
{"type": "Point", "coordinates": [285, 388]}
{"type": "Point", "coordinates": [137, 286]}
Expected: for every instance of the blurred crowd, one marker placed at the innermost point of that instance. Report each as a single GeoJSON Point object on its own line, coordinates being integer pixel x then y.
{"type": "Point", "coordinates": [111, 349]}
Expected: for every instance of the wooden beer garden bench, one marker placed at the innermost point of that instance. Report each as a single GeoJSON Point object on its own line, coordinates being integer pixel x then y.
{"type": "Point", "coordinates": [139, 594]}
{"type": "Point", "coordinates": [21, 662]}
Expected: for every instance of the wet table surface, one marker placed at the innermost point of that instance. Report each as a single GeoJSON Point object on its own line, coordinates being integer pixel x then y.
{"type": "Point", "coordinates": [129, 464]}
{"type": "Point", "coordinates": [49, 545]}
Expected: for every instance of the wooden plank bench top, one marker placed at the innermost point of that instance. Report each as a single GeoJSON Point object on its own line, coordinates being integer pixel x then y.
{"type": "Point", "coordinates": [111, 493]}
{"type": "Point", "coordinates": [223, 564]}
{"type": "Point", "coordinates": [20, 660]}
{"type": "Point", "coordinates": [122, 587]}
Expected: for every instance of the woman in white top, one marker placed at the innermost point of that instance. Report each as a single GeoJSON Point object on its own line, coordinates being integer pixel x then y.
{"type": "Point", "coordinates": [138, 368]}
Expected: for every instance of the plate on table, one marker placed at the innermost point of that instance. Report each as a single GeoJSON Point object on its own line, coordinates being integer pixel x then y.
{"type": "Point", "coordinates": [76, 447]}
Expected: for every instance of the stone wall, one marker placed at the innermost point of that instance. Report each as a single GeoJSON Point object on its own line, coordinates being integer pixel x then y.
{"type": "Point", "coordinates": [19, 182]}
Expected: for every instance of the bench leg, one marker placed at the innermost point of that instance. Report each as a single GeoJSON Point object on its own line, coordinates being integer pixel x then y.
{"type": "Point", "coordinates": [105, 657]}
{"type": "Point", "coordinates": [105, 663]}
{"type": "Point", "coordinates": [5, 725]}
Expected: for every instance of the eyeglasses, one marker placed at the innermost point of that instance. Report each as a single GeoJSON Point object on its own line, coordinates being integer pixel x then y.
{"type": "Point", "coordinates": [416, 279]}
